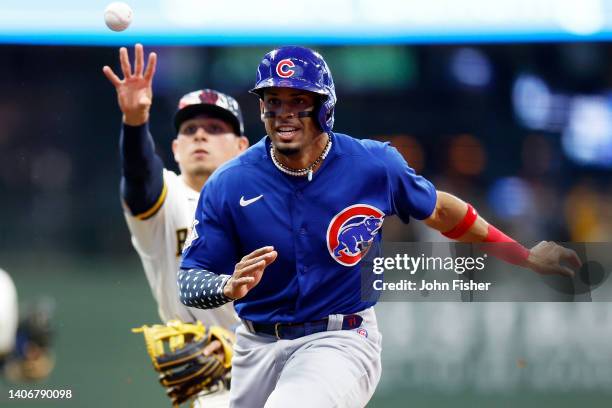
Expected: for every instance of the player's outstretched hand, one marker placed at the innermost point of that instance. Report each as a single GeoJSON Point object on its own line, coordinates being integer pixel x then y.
{"type": "Point", "coordinates": [248, 272]}
{"type": "Point", "coordinates": [549, 258]}
{"type": "Point", "coordinates": [135, 90]}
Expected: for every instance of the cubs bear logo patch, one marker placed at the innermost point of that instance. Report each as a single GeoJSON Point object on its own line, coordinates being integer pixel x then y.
{"type": "Point", "coordinates": [351, 232]}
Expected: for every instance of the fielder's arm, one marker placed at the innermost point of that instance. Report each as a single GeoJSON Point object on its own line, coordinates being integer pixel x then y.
{"type": "Point", "coordinates": [458, 220]}
{"type": "Point", "coordinates": [142, 183]}
{"type": "Point", "coordinates": [142, 186]}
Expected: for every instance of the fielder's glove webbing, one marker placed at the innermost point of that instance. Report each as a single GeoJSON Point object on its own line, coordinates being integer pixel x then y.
{"type": "Point", "coordinates": [177, 352]}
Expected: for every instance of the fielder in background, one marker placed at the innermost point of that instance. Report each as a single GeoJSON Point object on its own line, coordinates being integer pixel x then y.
{"type": "Point", "coordinates": [25, 342]}
{"type": "Point", "coordinates": [9, 316]}
{"type": "Point", "coordinates": [159, 205]}
{"type": "Point", "coordinates": [271, 234]}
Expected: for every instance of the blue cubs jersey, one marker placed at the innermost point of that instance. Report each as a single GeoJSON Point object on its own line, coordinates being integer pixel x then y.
{"type": "Point", "coordinates": [319, 228]}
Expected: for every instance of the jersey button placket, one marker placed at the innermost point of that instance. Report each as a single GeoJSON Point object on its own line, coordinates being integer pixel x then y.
{"type": "Point", "coordinates": [301, 239]}
{"type": "Point", "coordinates": [299, 196]}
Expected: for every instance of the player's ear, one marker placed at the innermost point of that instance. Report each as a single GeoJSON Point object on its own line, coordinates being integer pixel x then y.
{"type": "Point", "coordinates": [261, 110]}
{"type": "Point", "coordinates": [243, 143]}
{"type": "Point", "coordinates": [175, 149]}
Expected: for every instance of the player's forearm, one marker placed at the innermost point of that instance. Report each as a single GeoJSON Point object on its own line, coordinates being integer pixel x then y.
{"type": "Point", "coordinates": [137, 149]}
{"type": "Point", "coordinates": [449, 215]}
{"type": "Point", "coordinates": [458, 220]}
{"type": "Point", "coordinates": [136, 118]}
{"type": "Point", "coordinates": [201, 288]}
{"type": "Point", "coordinates": [142, 170]}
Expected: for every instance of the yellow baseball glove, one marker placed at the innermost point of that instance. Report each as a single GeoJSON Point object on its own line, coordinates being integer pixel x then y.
{"type": "Point", "coordinates": [177, 352]}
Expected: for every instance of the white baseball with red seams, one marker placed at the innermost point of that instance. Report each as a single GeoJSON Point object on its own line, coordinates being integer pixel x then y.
{"type": "Point", "coordinates": [118, 16]}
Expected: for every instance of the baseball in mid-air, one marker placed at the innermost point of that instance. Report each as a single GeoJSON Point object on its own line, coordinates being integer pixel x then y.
{"type": "Point", "coordinates": [118, 16]}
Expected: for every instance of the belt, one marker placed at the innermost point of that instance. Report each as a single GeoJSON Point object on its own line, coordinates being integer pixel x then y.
{"type": "Point", "coordinates": [291, 331]}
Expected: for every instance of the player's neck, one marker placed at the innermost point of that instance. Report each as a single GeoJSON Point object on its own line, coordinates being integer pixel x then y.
{"type": "Point", "coordinates": [195, 182]}
{"type": "Point", "coordinates": [307, 156]}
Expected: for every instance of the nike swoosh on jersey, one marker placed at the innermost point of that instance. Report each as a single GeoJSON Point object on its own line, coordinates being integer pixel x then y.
{"type": "Point", "coordinates": [244, 203]}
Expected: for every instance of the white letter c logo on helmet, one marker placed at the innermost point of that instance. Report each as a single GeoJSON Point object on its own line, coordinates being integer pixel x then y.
{"type": "Point", "coordinates": [284, 68]}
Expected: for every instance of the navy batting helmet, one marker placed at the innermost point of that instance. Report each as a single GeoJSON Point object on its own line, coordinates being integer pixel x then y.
{"type": "Point", "coordinates": [209, 101]}
{"type": "Point", "coordinates": [299, 68]}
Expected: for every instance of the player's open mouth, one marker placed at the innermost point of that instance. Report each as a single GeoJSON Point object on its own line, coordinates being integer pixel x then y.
{"type": "Point", "coordinates": [199, 153]}
{"type": "Point", "coordinates": [287, 133]}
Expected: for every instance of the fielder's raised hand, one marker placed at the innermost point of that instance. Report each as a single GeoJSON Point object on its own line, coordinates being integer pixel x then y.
{"type": "Point", "coordinates": [134, 91]}
{"type": "Point", "coordinates": [248, 272]}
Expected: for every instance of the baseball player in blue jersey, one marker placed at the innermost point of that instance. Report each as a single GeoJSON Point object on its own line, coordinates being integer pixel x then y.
{"type": "Point", "coordinates": [281, 230]}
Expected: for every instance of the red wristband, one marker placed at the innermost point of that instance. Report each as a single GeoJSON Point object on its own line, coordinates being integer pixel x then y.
{"type": "Point", "coordinates": [470, 218]}
{"type": "Point", "coordinates": [510, 250]}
